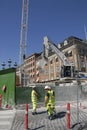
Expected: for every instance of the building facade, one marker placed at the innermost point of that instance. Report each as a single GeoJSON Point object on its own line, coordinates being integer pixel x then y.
{"type": "Point", "coordinates": [74, 49]}
{"type": "Point", "coordinates": [30, 67]}
{"type": "Point", "coordinates": [39, 68]}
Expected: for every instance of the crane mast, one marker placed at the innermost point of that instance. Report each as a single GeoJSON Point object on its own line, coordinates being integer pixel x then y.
{"type": "Point", "coordinates": [23, 35]}
{"type": "Point", "coordinates": [23, 40]}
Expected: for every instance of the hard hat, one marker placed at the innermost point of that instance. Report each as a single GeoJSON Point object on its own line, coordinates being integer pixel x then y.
{"type": "Point", "coordinates": [47, 87]}
{"type": "Point", "coordinates": [33, 86]}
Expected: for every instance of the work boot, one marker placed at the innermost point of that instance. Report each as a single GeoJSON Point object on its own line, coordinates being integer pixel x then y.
{"type": "Point", "coordinates": [50, 117]}
{"type": "Point", "coordinates": [34, 113]}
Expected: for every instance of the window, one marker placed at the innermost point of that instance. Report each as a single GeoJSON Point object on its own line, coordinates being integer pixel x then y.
{"type": "Point", "coordinates": [56, 59]}
{"type": "Point", "coordinates": [46, 64]}
{"type": "Point", "coordinates": [51, 62]}
{"type": "Point", "coordinates": [68, 53]}
{"type": "Point", "coordinates": [67, 71]}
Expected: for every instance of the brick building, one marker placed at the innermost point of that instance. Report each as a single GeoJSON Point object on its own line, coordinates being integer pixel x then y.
{"type": "Point", "coordinates": [41, 69]}
{"type": "Point", "coordinates": [74, 49]}
{"type": "Point", "coordinates": [26, 73]}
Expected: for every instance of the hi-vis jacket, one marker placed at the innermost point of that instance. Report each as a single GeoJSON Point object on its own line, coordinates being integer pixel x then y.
{"type": "Point", "coordinates": [33, 96]}
{"type": "Point", "coordinates": [51, 97]}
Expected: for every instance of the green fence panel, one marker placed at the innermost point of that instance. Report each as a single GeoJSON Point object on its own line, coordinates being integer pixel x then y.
{"type": "Point", "coordinates": [23, 94]}
{"type": "Point", "coordinates": [7, 79]}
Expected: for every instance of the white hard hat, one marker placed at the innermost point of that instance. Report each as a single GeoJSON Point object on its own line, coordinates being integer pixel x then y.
{"type": "Point", "coordinates": [33, 86]}
{"type": "Point", "coordinates": [47, 87]}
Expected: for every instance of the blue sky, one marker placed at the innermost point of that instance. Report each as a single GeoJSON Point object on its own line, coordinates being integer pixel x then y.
{"type": "Point", "coordinates": [58, 19]}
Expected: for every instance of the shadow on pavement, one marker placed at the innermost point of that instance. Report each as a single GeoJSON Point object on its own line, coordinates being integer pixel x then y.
{"type": "Point", "coordinates": [79, 126]}
{"type": "Point", "coordinates": [60, 114]}
{"type": "Point", "coordinates": [42, 112]}
{"type": "Point", "coordinates": [37, 128]}
{"type": "Point", "coordinates": [76, 124]}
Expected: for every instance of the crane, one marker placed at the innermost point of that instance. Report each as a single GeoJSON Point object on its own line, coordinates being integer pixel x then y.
{"type": "Point", "coordinates": [66, 64]}
{"type": "Point", "coordinates": [23, 34]}
{"type": "Point", "coordinates": [23, 40]}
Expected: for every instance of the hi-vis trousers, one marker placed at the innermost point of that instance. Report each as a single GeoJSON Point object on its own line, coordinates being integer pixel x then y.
{"type": "Point", "coordinates": [34, 105]}
{"type": "Point", "coordinates": [50, 108]}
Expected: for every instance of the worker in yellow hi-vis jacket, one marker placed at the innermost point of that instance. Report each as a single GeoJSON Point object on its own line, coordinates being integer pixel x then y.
{"type": "Point", "coordinates": [50, 102]}
{"type": "Point", "coordinates": [34, 96]}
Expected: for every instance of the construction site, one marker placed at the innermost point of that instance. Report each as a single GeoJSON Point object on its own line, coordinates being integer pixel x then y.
{"type": "Point", "coordinates": [63, 67]}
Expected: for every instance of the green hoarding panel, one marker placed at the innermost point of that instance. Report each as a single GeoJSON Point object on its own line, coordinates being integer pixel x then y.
{"type": "Point", "coordinates": [7, 80]}
{"type": "Point", "coordinates": [23, 95]}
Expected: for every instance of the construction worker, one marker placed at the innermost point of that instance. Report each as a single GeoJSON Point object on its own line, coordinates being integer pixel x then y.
{"type": "Point", "coordinates": [52, 96]}
{"type": "Point", "coordinates": [34, 96]}
{"type": "Point", "coordinates": [50, 102]}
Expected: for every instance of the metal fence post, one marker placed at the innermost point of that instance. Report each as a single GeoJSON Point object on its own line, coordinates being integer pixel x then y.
{"type": "Point", "coordinates": [26, 116]}
{"type": "Point", "coordinates": [68, 116]}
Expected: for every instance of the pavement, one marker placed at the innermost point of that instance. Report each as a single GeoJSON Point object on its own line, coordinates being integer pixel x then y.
{"type": "Point", "coordinates": [41, 122]}
{"type": "Point", "coordinates": [6, 118]}
{"type": "Point", "coordinates": [15, 119]}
